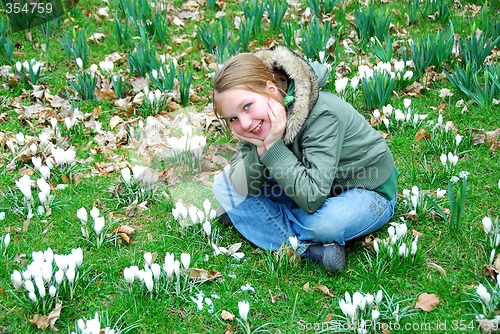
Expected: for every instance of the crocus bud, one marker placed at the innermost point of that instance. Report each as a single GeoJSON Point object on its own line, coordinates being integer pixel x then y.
{"type": "Point", "coordinates": [243, 309]}
{"type": "Point", "coordinates": [185, 259]}
{"type": "Point", "coordinates": [82, 214]}
{"type": "Point", "coordinates": [487, 224]}
{"type": "Point", "coordinates": [52, 291]}
{"type": "Point", "coordinates": [126, 175]}
{"type": "Point", "coordinates": [17, 280]}
{"type": "Point", "coordinates": [129, 275]}
{"type": "Point", "coordinates": [6, 240]}
{"type": "Point", "coordinates": [207, 228]}
{"type": "Point", "coordinates": [45, 172]}
{"type": "Point", "coordinates": [98, 225]}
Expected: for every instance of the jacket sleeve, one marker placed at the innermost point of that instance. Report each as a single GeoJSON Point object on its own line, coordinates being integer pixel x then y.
{"type": "Point", "coordinates": [308, 181]}
{"type": "Point", "coordinates": [246, 172]}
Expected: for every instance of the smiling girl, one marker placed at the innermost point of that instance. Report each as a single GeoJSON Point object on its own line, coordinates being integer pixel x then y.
{"type": "Point", "coordinates": [308, 165]}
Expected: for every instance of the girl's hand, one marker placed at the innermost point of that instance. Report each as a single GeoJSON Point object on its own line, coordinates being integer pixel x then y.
{"type": "Point", "coordinates": [261, 149]}
{"type": "Point", "coordinates": [277, 118]}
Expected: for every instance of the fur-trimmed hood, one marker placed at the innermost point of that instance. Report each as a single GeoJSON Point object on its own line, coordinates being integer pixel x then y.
{"type": "Point", "coordinates": [306, 85]}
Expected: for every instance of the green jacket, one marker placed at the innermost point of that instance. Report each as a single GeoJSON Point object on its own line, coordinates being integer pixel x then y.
{"type": "Point", "coordinates": [328, 146]}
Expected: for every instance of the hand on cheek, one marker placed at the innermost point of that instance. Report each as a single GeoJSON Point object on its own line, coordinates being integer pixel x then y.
{"type": "Point", "coordinates": [277, 119]}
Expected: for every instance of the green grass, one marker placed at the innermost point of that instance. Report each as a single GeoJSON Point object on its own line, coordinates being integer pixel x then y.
{"type": "Point", "coordinates": [281, 302]}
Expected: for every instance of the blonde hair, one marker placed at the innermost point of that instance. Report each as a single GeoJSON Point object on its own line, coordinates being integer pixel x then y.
{"type": "Point", "coordinates": [248, 72]}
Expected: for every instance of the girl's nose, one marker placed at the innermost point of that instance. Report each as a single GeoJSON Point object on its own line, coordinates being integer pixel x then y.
{"type": "Point", "coordinates": [245, 122]}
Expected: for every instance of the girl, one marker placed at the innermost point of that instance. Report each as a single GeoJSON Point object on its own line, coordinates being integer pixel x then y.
{"type": "Point", "coordinates": [308, 166]}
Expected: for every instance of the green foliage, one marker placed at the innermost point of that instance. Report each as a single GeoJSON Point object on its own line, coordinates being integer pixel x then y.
{"type": "Point", "coordinates": [276, 11]}
{"type": "Point", "coordinates": [377, 89]}
{"type": "Point", "coordinates": [185, 78]}
{"type": "Point", "coordinates": [482, 86]}
{"type": "Point", "coordinates": [433, 50]}
{"type": "Point", "coordinates": [316, 38]}
{"type": "Point", "coordinates": [84, 85]}
{"type": "Point", "coordinates": [369, 24]}
{"type": "Point", "coordinates": [456, 201]}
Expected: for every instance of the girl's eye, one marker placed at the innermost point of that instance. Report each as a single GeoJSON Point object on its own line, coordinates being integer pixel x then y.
{"type": "Point", "coordinates": [247, 106]}
{"type": "Point", "coordinates": [232, 119]}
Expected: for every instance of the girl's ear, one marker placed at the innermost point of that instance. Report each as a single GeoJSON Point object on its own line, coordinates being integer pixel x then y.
{"type": "Point", "coordinates": [272, 89]}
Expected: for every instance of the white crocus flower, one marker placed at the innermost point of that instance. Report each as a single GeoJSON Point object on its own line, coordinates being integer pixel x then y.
{"type": "Point", "coordinates": [440, 193]}
{"type": "Point", "coordinates": [443, 159]}
{"type": "Point", "coordinates": [193, 214]}
{"type": "Point", "coordinates": [169, 265]}
{"type": "Point", "coordinates": [487, 224]}
{"type": "Point", "coordinates": [98, 225]}
{"type": "Point", "coordinates": [148, 280]}
{"type": "Point", "coordinates": [243, 309]}
{"type": "Point", "coordinates": [156, 270]}
{"type": "Point", "coordinates": [45, 172]}
{"type": "Point", "coordinates": [28, 285]}
{"type": "Point", "coordinates": [375, 315]}
{"type": "Point", "coordinates": [399, 115]}
{"type": "Point", "coordinates": [52, 291]}
{"type": "Point", "coordinates": [207, 206]}
{"type": "Point", "coordinates": [43, 186]}
{"type": "Point", "coordinates": [20, 138]}
{"type": "Point", "coordinates": [82, 214]}
{"type": "Point", "coordinates": [378, 297]}
{"type": "Point", "coordinates": [37, 162]}
{"type": "Point", "coordinates": [207, 228]}
{"type": "Point", "coordinates": [294, 242]}
{"type": "Point", "coordinates": [483, 294]}
{"type": "Point", "coordinates": [408, 75]}
{"type": "Point", "coordinates": [376, 246]}
{"type": "Point", "coordinates": [185, 259]}
{"type": "Point", "coordinates": [106, 66]}
{"type": "Point", "coordinates": [6, 240]}
{"type": "Point", "coordinates": [79, 62]}
{"type": "Point", "coordinates": [401, 230]}
{"type": "Point", "coordinates": [355, 82]}
{"type": "Point", "coordinates": [340, 85]}
{"type": "Point", "coordinates": [24, 185]}
{"type": "Point", "coordinates": [17, 280]}
{"type": "Point", "coordinates": [59, 276]}
{"type": "Point", "coordinates": [129, 275]}
{"type": "Point", "coordinates": [32, 296]}
{"type": "Point", "coordinates": [78, 256]}
{"type": "Point", "coordinates": [94, 212]}
{"type": "Point", "coordinates": [148, 258]}
{"type": "Point", "coordinates": [458, 139]}
{"type": "Point", "coordinates": [126, 175]}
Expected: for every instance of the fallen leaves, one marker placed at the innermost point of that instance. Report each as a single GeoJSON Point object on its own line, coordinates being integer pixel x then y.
{"type": "Point", "coordinates": [124, 232]}
{"type": "Point", "coordinates": [426, 302]}
{"type": "Point", "coordinates": [44, 321]}
{"type": "Point", "coordinates": [489, 138]}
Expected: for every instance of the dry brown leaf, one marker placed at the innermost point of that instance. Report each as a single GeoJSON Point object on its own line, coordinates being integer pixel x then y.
{"type": "Point", "coordinates": [445, 92]}
{"type": "Point", "coordinates": [197, 274]}
{"type": "Point", "coordinates": [324, 289]}
{"type": "Point", "coordinates": [44, 321]}
{"type": "Point", "coordinates": [306, 287]}
{"type": "Point", "coordinates": [422, 134]}
{"type": "Point", "coordinates": [427, 301]}
{"type": "Point", "coordinates": [225, 315]}
{"type": "Point", "coordinates": [490, 271]}
{"type": "Point", "coordinates": [114, 121]}
{"type": "Point", "coordinates": [433, 265]}
{"type": "Point", "coordinates": [96, 37]}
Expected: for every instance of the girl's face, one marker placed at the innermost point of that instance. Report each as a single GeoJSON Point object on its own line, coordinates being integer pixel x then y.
{"type": "Point", "coordinates": [247, 112]}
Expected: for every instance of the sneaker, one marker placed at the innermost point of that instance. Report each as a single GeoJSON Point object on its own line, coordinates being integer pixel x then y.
{"type": "Point", "coordinates": [223, 217]}
{"type": "Point", "coordinates": [331, 256]}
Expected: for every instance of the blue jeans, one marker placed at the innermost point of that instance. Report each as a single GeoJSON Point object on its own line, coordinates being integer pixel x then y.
{"type": "Point", "coordinates": [270, 218]}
